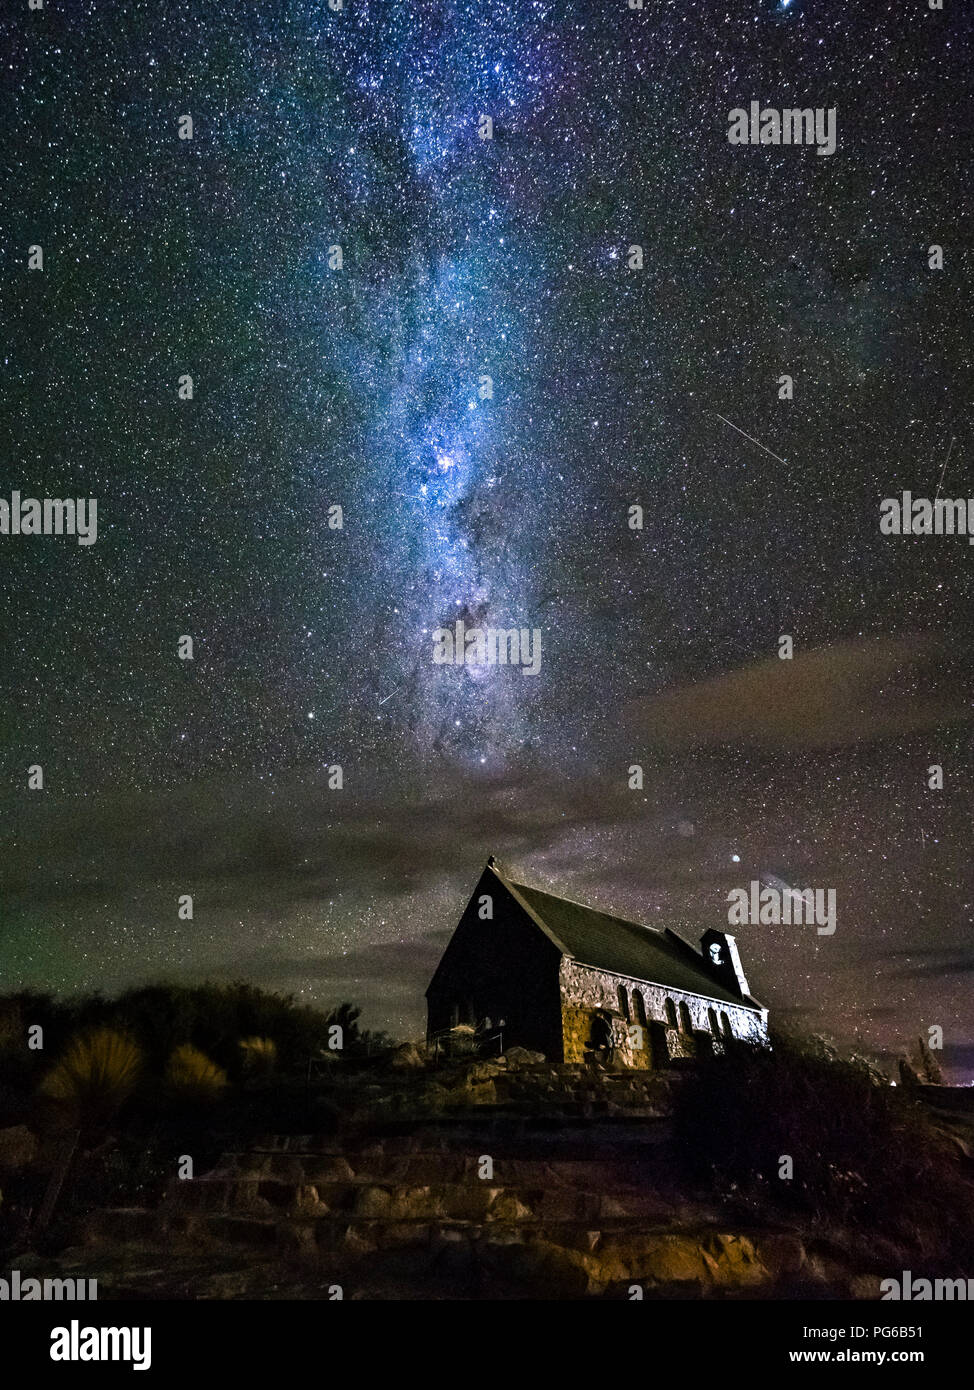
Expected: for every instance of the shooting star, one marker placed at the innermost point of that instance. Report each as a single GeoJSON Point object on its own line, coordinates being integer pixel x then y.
{"type": "Point", "coordinates": [944, 469]}
{"type": "Point", "coordinates": [750, 437]}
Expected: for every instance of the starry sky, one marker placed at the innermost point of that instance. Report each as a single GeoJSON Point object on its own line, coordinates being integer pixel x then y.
{"type": "Point", "coordinates": [359, 387]}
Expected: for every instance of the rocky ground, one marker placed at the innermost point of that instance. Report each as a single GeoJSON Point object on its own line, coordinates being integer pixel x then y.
{"type": "Point", "coordinates": [510, 1178]}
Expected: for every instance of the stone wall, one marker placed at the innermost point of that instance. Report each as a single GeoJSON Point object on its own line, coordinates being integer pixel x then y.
{"type": "Point", "coordinates": [585, 990]}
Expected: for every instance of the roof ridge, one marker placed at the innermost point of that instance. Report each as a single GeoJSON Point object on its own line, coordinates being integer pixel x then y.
{"type": "Point", "coordinates": [576, 902]}
{"type": "Point", "coordinates": [514, 889]}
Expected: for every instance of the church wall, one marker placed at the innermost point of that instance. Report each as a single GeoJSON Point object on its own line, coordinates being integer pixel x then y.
{"type": "Point", "coordinates": [586, 989]}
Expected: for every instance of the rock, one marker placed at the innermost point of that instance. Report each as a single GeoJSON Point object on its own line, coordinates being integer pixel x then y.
{"type": "Point", "coordinates": [18, 1147]}
{"type": "Point", "coordinates": [781, 1253]}
{"type": "Point", "coordinates": [561, 1272]}
{"type": "Point", "coordinates": [415, 1204]}
{"type": "Point", "coordinates": [435, 1095]}
{"type": "Point", "coordinates": [481, 1071]}
{"type": "Point", "coordinates": [733, 1261]}
{"type": "Point", "coordinates": [523, 1057]}
{"type": "Point", "coordinates": [509, 1207]}
{"type": "Point", "coordinates": [481, 1093]}
{"type": "Point", "coordinates": [308, 1203]}
{"type": "Point", "coordinates": [330, 1168]}
{"type": "Point", "coordinates": [672, 1259]}
{"type": "Point", "coordinates": [373, 1201]}
{"type": "Point", "coordinates": [355, 1241]}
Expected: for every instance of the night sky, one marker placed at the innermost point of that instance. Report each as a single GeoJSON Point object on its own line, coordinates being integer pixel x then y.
{"type": "Point", "coordinates": [316, 387]}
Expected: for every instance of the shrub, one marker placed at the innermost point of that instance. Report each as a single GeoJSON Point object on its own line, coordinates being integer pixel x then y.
{"type": "Point", "coordinates": [259, 1055]}
{"type": "Point", "coordinates": [191, 1076]}
{"type": "Point", "coordinates": [95, 1076]}
{"type": "Point", "coordinates": [865, 1154]}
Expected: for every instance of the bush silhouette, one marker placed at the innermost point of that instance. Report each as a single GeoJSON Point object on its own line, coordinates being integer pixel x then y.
{"type": "Point", "coordinates": [95, 1076]}
{"type": "Point", "coordinates": [191, 1076]}
{"type": "Point", "coordinates": [866, 1155]}
{"type": "Point", "coordinates": [259, 1055]}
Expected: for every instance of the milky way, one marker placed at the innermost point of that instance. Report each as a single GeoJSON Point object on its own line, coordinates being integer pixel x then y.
{"type": "Point", "coordinates": [501, 502]}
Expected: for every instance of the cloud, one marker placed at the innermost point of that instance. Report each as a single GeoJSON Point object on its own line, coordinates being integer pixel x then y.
{"type": "Point", "coordinates": [933, 963]}
{"type": "Point", "coordinates": [384, 963]}
{"type": "Point", "coordinates": [856, 691]}
{"type": "Point", "coordinates": [259, 850]}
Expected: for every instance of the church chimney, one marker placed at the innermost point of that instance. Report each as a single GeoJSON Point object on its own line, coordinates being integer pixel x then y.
{"type": "Point", "coordinates": [723, 960]}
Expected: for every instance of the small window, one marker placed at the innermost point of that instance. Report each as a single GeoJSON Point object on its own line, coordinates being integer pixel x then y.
{"type": "Point", "coordinates": [670, 1014]}
{"type": "Point", "coordinates": [624, 1003]}
{"type": "Point", "coordinates": [714, 1022]}
{"type": "Point", "coordinates": [686, 1022]}
{"type": "Point", "coordinates": [725, 1022]}
{"type": "Point", "coordinates": [639, 1007]}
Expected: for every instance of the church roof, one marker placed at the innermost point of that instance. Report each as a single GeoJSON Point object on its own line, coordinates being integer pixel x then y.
{"type": "Point", "coordinates": [625, 948]}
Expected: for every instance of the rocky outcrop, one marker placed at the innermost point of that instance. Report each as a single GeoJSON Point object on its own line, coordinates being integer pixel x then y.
{"type": "Point", "coordinates": [535, 1179]}
{"type": "Point", "coordinates": [563, 1223]}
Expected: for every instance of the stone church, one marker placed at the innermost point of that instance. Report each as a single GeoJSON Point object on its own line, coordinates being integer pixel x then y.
{"type": "Point", "coordinates": [574, 983]}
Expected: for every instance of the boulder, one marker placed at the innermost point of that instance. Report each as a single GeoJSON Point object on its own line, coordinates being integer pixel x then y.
{"type": "Point", "coordinates": [517, 1057]}
{"type": "Point", "coordinates": [508, 1207]}
{"type": "Point", "coordinates": [482, 1071]}
{"type": "Point", "coordinates": [373, 1202]}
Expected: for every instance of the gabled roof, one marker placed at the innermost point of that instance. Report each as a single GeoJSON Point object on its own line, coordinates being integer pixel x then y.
{"type": "Point", "coordinates": [624, 948]}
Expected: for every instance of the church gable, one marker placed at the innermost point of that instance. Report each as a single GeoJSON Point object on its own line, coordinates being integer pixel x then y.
{"type": "Point", "coordinates": [498, 965]}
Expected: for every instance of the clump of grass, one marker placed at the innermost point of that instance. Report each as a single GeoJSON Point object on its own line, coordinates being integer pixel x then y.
{"type": "Point", "coordinates": [95, 1076]}
{"type": "Point", "coordinates": [259, 1055]}
{"type": "Point", "coordinates": [192, 1076]}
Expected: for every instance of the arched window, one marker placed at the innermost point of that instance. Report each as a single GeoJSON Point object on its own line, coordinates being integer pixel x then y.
{"type": "Point", "coordinates": [624, 1003]}
{"type": "Point", "coordinates": [639, 1007]}
{"type": "Point", "coordinates": [714, 1022]}
{"type": "Point", "coordinates": [686, 1022]}
{"type": "Point", "coordinates": [725, 1022]}
{"type": "Point", "coordinates": [670, 1014]}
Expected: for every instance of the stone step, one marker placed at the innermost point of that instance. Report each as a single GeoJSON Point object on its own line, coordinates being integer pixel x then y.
{"type": "Point", "coordinates": [419, 1167]}
{"type": "Point", "coordinates": [466, 1201]}
{"type": "Point", "coordinates": [567, 1259]}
